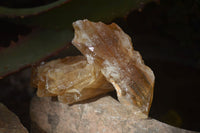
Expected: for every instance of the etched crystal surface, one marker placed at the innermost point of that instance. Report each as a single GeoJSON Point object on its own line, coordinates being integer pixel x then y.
{"type": "Point", "coordinates": [109, 63]}
{"type": "Point", "coordinates": [72, 79]}
{"type": "Point", "coordinates": [108, 47]}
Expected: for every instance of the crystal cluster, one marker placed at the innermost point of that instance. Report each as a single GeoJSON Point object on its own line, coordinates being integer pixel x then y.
{"type": "Point", "coordinates": [109, 62]}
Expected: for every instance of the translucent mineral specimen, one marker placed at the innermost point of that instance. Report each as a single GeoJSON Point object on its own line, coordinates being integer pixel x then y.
{"type": "Point", "coordinates": [109, 63]}
{"type": "Point", "coordinates": [109, 48]}
{"type": "Point", "coordinates": [72, 79]}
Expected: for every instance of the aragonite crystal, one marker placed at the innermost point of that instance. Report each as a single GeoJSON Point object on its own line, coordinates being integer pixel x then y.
{"type": "Point", "coordinates": [72, 79]}
{"type": "Point", "coordinates": [108, 47]}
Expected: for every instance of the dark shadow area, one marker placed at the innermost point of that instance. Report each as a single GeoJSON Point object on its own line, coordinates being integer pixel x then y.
{"type": "Point", "coordinates": [24, 3]}
{"type": "Point", "coordinates": [168, 37]}
{"type": "Point", "coordinates": [113, 94]}
{"type": "Point", "coordinates": [16, 94]}
{"type": "Point", "coordinates": [11, 33]}
{"type": "Point", "coordinates": [176, 94]}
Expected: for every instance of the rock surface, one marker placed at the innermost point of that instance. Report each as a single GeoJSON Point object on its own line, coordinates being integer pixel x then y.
{"type": "Point", "coordinates": [104, 115]}
{"type": "Point", "coordinates": [9, 122]}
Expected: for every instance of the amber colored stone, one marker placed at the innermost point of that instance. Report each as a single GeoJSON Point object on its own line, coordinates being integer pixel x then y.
{"type": "Point", "coordinates": [110, 61]}
{"type": "Point", "coordinates": [108, 47]}
{"type": "Point", "coordinates": [72, 79]}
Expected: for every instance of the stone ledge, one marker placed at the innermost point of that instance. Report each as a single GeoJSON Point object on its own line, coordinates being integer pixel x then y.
{"type": "Point", "coordinates": [105, 115]}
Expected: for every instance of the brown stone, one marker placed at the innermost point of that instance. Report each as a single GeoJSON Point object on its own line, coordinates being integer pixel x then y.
{"type": "Point", "coordinates": [9, 122]}
{"type": "Point", "coordinates": [104, 115]}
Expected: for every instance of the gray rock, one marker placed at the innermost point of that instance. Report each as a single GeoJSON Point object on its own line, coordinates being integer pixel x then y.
{"type": "Point", "coordinates": [9, 122]}
{"type": "Point", "coordinates": [104, 115]}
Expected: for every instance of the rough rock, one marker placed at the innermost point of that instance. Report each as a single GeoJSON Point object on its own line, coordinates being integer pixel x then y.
{"type": "Point", "coordinates": [103, 115]}
{"type": "Point", "coordinates": [9, 122]}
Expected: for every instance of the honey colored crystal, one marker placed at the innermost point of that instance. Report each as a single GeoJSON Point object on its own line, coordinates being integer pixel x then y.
{"type": "Point", "coordinates": [72, 79]}
{"type": "Point", "coordinates": [109, 48]}
{"type": "Point", "coordinates": [109, 62]}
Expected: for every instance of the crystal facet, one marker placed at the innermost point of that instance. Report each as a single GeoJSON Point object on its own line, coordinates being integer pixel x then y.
{"type": "Point", "coordinates": [108, 47]}
{"type": "Point", "coordinates": [72, 79]}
